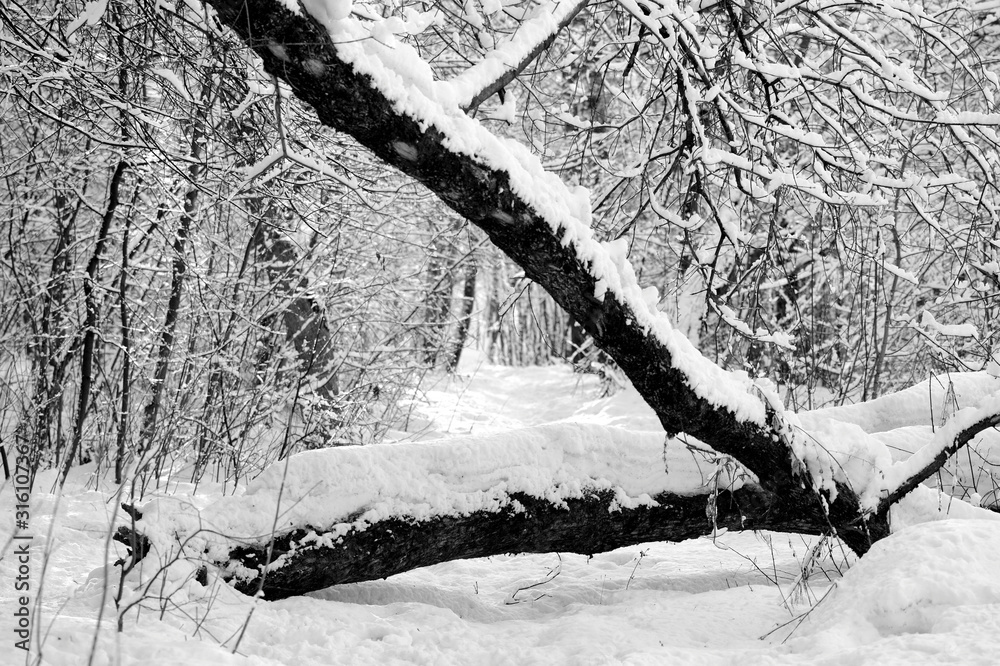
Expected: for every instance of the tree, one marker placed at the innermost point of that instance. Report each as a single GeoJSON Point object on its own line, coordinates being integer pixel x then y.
{"type": "Point", "coordinates": [754, 121]}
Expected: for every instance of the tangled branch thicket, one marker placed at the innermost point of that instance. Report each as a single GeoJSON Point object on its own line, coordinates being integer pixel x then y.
{"type": "Point", "coordinates": [243, 298]}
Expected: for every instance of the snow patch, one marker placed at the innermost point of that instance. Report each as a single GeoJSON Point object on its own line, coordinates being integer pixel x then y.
{"type": "Point", "coordinates": [918, 581]}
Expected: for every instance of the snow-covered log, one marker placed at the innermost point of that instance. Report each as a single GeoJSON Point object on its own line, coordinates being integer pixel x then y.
{"type": "Point", "coordinates": [594, 523]}
{"type": "Point", "coordinates": [352, 514]}
{"type": "Point", "coordinates": [306, 560]}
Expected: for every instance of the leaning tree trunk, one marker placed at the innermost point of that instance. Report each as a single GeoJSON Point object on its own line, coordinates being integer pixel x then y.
{"type": "Point", "coordinates": [295, 48]}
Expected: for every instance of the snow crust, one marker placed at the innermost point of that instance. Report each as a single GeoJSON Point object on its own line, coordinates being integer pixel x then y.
{"type": "Point", "coordinates": [833, 450]}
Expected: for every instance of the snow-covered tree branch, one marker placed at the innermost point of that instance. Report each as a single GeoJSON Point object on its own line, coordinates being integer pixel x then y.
{"type": "Point", "coordinates": [958, 431]}
{"type": "Point", "coordinates": [505, 63]}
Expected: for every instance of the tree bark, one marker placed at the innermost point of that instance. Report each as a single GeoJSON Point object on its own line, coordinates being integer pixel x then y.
{"type": "Point", "coordinates": [465, 308]}
{"type": "Point", "coordinates": [303, 317]}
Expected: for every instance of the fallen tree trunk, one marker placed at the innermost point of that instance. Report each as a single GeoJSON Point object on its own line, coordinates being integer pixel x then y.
{"type": "Point", "coordinates": [305, 560]}
{"type": "Point", "coordinates": [359, 513]}
{"type": "Point", "coordinates": [593, 524]}
{"type": "Point", "coordinates": [353, 514]}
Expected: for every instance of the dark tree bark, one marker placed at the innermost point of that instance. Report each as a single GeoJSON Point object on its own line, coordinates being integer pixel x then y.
{"type": "Point", "coordinates": [586, 526]}
{"type": "Point", "coordinates": [464, 315]}
{"type": "Point", "coordinates": [303, 317]}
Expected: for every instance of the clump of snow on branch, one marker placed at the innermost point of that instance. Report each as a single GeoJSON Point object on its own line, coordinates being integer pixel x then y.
{"type": "Point", "coordinates": [836, 451]}
{"type": "Point", "coordinates": [928, 321]}
{"type": "Point", "coordinates": [91, 15]}
{"type": "Point", "coordinates": [780, 338]}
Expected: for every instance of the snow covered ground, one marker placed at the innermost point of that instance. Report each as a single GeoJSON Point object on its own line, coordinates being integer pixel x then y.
{"type": "Point", "coordinates": [928, 594]}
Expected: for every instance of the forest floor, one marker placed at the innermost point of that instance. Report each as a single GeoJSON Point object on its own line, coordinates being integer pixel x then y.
{"type": "Point", "coordinates": [928, 594]}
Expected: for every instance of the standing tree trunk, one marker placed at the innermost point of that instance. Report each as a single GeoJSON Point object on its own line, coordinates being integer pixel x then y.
{"type": "Point", "coordinates": [302, 315]}
{"type": "Point", "coordinates": [90, 323]}
{"type": "Point", "coordinates": [51, 348]}
{"type": "Point", "coordinates": [465, 308]}
{"type": "Point", "coordinates": [178, 269]}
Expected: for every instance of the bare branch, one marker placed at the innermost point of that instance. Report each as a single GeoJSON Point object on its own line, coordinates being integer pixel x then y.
{"type": "Point", "coordinates": [504, 64]}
